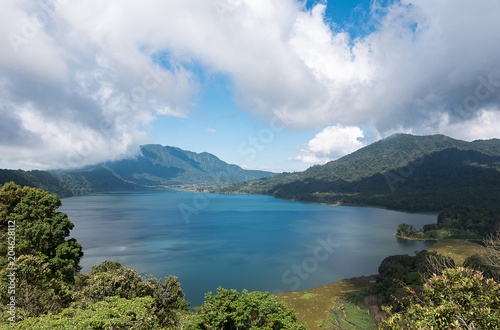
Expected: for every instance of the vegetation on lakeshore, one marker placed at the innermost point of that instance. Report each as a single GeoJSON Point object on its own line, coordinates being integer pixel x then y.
{"type": "Point", "coordinates": [155, 166]}
{"type": "Point", "coordinates": [402, 172]}
{"type": "Point", "coordinates": [469, 222]}
{"type": "Point", "coordinates": [459, 298]}
{"type": "Point", "coordinates": [42, 287]}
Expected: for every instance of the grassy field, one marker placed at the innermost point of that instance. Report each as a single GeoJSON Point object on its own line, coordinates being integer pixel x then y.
{"type": "Point", "coordinates": [349, 304]}
{"type": "Point", "coordinates": [457, 249]}
{"type": "Point", "coordinates": [314, 306]}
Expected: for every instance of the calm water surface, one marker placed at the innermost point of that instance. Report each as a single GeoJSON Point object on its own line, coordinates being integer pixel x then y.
{"type": "Point", "coordinates": [236, 241]}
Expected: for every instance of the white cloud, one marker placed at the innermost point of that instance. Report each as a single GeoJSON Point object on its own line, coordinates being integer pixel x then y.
{"type": "Point", "coordinates": [482, 127]}
{"type": "Point", "coordinates": [90, 67]}
{"type": "Point", "coordinates": [167, 111]}
{"type": "Point", "coordinates": [211, 130]}
{"type": "Point", "coordinates": [331, 143]}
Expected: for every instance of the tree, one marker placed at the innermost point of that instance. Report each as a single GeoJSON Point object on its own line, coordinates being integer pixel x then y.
{"type": "Point", "coordinates": [35, 291]}
{"type": "Point", "coordinates": [411, 270]}
{"type": "Point", "coordinates": [169, 303]}
{"type": "Point", "coordinates": [111, 279]}
{"type": "Point", "coordinates": [405, 230]}
{"type": "Point", "coordinates": [250, 310]}
{"type": "Point", "coordinates": [38, 263]}
{"type": "Point", "coordinates": [460, 298]}
{"type": "Point", "coordinates": [492, 243]}
{"type": "Point", "coordinates": [30, 216]}
{"type": "Point", "coordinates": [120, 282]}
{"type": "Point", "coordinates": [479, 262]}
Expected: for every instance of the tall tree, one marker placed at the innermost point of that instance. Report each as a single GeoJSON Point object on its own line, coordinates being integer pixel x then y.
{"type": "Point", "coordinates": [31, 225]}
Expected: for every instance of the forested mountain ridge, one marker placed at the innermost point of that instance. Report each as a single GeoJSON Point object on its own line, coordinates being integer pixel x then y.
{"type": "Point", "coordinates": [159, 165]}
{"type": "Point", "coordinates": [156, 166]}
{"type": "Point", "coordinates": [66, 184]}
{"type": "Point", "coordinates": [402, 172]}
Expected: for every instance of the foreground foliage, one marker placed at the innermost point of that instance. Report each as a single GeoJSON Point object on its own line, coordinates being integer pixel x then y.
{"type": "Point", "coordinates": [460, 298]}
{"type": "Point", "coordinates": [111, 279]}
{"type": "Point", "coordinates": [37, 261]}
{"type": "Point", "coordinates": [250, 310]}
{"type": "Point", "coordinates": [36, 290]}
{"type": "Point", "coordinates": [39, 230]}
{"type": "Point", "coordinates": [111, 313]}
{"type": "Point", "coordinates": [410, 270]}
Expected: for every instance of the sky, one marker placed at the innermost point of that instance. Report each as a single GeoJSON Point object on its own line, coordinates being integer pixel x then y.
{"type": "Point", "coordinates": [277, 85]}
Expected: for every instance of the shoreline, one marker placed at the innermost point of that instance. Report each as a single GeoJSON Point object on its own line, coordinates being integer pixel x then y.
{"type": "Point", "coordinates": [304, 202]}
{"type": "Point", "coordinates": [418, 239]}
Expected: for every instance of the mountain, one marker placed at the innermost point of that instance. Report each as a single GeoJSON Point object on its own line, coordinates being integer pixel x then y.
{"type": "Point", "coordinates": [402, 172]}
{"type": "Point", "coordinates": [170, 166]}
{"type": "Point", "coordinates": [156, 166]}
{"type": "Point", "coordinates": [66, 184]}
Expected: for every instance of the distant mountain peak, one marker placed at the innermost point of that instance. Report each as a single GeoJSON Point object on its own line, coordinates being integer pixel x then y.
{"type": "Point", "coordinates": [168, 165]}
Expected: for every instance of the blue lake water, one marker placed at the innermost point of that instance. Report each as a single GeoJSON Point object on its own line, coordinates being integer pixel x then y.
{"type": "Point", "coordinates": [236, 241]}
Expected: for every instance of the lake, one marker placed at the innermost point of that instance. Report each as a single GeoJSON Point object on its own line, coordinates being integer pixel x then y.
{"type": "Point", "coordinates": [236, 241]}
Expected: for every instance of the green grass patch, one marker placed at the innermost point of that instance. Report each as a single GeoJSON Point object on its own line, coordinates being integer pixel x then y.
{"type": "Point", "coordinates": [350, 312]}
{"type": "Point", "coordinates": [308, 296]}
{"type": "Point", "coordinates": [457, 249]}
{"type": "Point", "coordinates": [314, 306]}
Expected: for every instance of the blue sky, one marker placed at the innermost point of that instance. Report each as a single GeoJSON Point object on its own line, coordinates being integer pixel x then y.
{"type": "Point", "coordinates": [218, 126]}
{"type": "Point", "coordinates": [278, 85]}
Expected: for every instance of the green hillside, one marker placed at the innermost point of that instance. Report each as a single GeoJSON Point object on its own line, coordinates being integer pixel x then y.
{"type": "Point", "coordinates": [159, 165]}
{"type": "Point", "coordinates": [402, 172]}
{"type": "Point", "coordinates": [156, 166]}
{"type": "Point", "coordinates": [65, 184]}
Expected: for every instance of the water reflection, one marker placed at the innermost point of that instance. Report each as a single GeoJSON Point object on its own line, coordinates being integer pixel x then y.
{"type": "Point", "coordinates": [236, 241]}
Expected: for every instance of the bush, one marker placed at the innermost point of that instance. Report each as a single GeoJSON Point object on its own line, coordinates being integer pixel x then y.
{"type": "Point", "coordinates": [111, 313]}
{"type": "Point", "coordinates": [459, 298]}
{"type": "Point", "coordinates": [110, 278]}
{"type": "Point", "coordinates": [250, 310]}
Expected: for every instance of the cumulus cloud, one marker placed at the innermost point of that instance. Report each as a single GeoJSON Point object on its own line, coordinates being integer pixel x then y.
{"type": "Point", "coordinates": [79, 83]}
{"type": "Point", "coordinates": [331, 143]}
{"type": "Point", "coordinates": [80, 80]}
{"type": "Point", "coordinates": [482, 126]}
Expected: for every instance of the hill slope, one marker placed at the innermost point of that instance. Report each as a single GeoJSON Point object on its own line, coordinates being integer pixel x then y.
{"type": "Point", "coordinates": [156, 166]}
{"type": "Point", "coordinates": [403, 172]}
